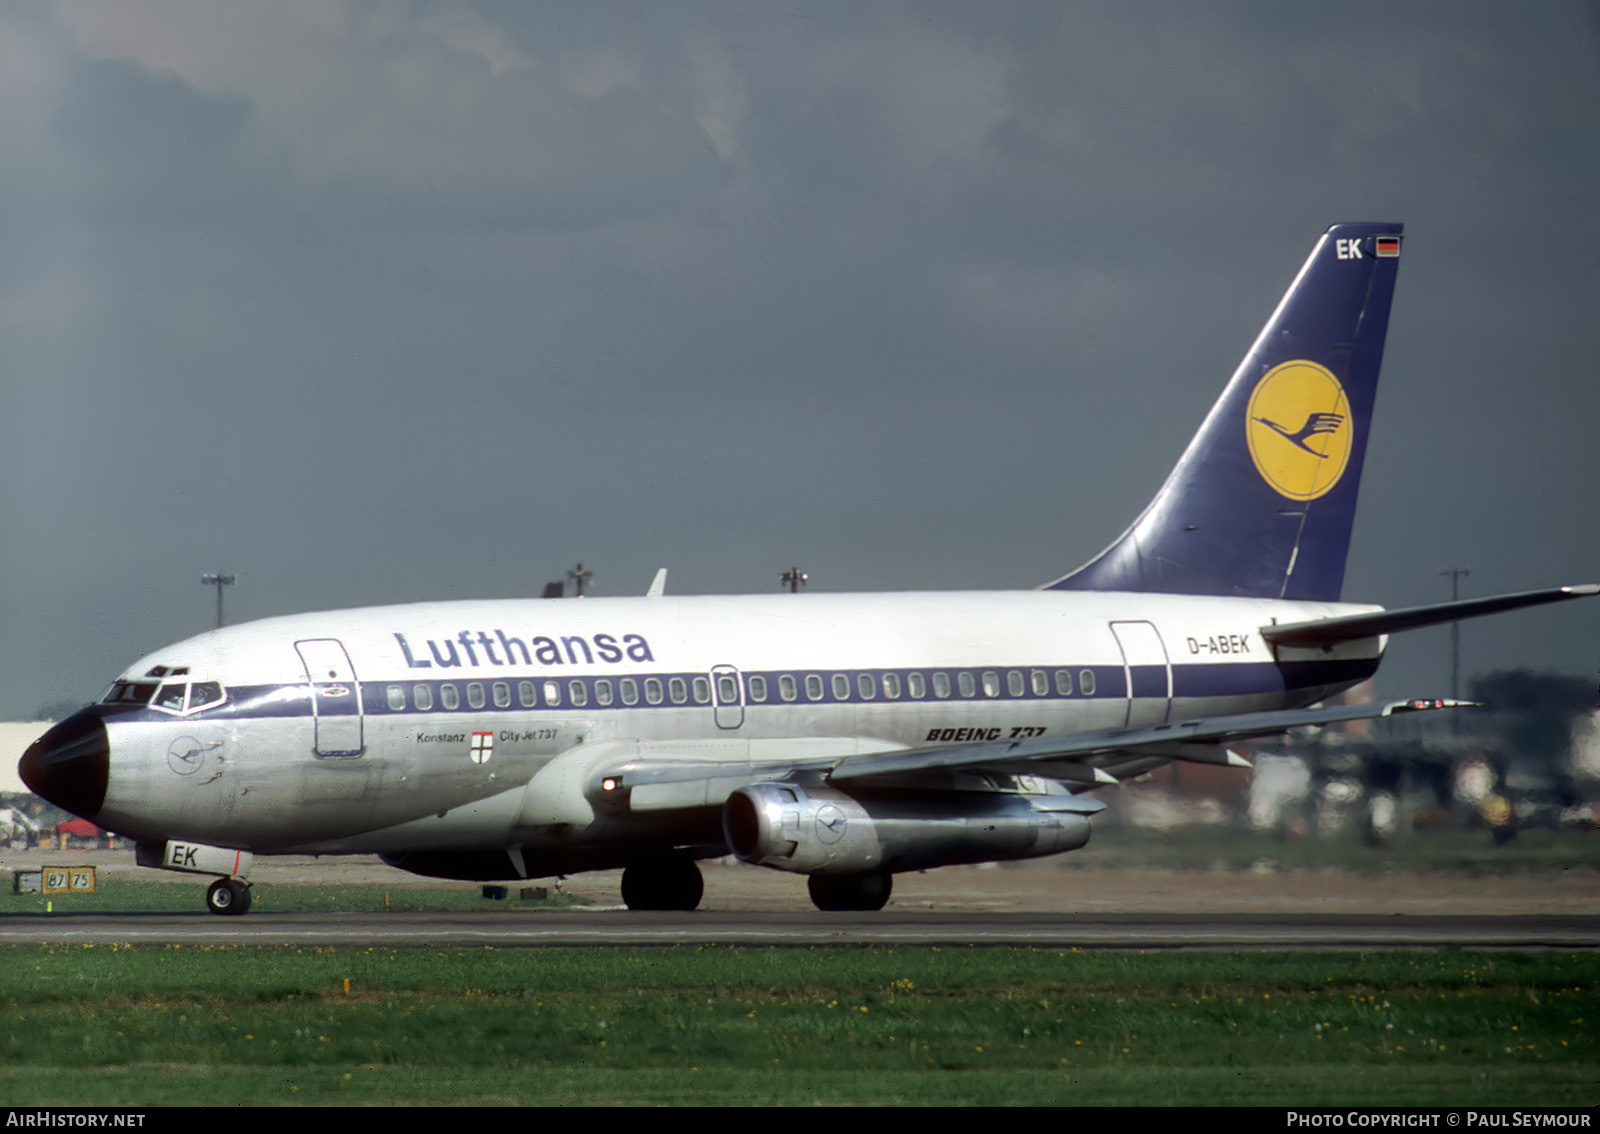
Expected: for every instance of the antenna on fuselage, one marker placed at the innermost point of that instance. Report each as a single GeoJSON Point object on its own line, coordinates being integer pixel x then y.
{"type": "Point", "coordinates": [794, 579]}
{"type": "Point", "coordinates": [580, 576]}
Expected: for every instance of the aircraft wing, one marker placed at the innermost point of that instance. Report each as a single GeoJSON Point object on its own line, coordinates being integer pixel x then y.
{"type": "Point", "coordinates": [644, 778]}
{"type": "Point", "coordinates": [1101, 757]}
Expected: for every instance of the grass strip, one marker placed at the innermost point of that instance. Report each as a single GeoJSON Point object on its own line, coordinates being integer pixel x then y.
{"type": "Point", "coordinates": [113, 1025]}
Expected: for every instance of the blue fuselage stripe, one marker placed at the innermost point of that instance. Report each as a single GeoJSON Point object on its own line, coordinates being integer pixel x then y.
{"type": "Point", "coordinates": [590, 694]}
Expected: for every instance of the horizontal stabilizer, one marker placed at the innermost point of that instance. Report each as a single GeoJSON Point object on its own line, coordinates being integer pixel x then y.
{"type": "Point", "coordinates": [1330, 631]}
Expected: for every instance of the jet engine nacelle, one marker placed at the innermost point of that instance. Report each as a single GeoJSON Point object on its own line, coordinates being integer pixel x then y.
{"type": "Point", "coordinates": [824, 831]}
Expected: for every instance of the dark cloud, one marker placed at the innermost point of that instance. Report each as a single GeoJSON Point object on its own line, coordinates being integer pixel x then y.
{"type": "Point", "coordinates": [371, 302]}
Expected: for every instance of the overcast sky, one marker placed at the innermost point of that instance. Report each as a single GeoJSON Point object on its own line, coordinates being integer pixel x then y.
{"type": "Point", "coordinates": [377, 302]}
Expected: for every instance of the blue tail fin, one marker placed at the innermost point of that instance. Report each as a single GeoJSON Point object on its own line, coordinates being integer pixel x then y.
{"type": "Point", "coordinates": [1262, 502]}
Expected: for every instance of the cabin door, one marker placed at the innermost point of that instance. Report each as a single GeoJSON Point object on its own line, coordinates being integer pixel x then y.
{"type": "Point", "coordinates": [1146, 671]}
{"type": "Point", "coordinates": [335, 696]}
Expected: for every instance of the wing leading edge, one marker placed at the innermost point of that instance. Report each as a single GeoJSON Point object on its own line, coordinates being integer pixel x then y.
{"type": "Point", "coordinates": [1102, 756]}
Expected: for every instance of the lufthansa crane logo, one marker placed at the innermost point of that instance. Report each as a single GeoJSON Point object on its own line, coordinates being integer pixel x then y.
{"type": "Point", "coordinates": [1299, 429]}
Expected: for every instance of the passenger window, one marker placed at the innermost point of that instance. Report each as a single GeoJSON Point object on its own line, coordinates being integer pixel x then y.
{"type": "Point", "coordinates": [1014, 683]}
{"type": "Point", "coordinates": [866, 687]}
{"type": "Point", "coordinates": [475, 694]}
{"type": "Point", "coordinates": [502, 695]}
{"type": "Point", "coordinates": [525, 694]}
{"type": "Point", "coordinates": [1041, 683]}
{"type": "Point", "coordinates": [758, 688]}
{"type": "Point", "coordinates": [891, 686]}
{"type": "Point", "coordinates": [678, 690]}
{"type": "Point", "coordinates": [448, 697]}
{"type": "Point", "coordinates": [727, 690]}
{"type": "Point", "coordinates": [397, 697]}
{"type": "Point", "coordinates": [423, 696]}
{"type": "Point", "coordinates": [1063, 683]}
{"type": "Point", "coordinates": [991, 684]}
{"type": "Point", "coordinates": [171, 697]}
{"type": "Point", "coordinates": [652, 690]}
{"type": "Point", "coordinates": [841, 687]}
{"type": "Point", "coordinates": [967, 685]}
{"type": "Point", "coordinates": [814, 686]}
{"type": "Point", "coordinates": [786, 687]}
{"type": "Point", "coordinates": [702, 690]}
{"type": "Point", "coordinates": [602, 691]}
{"type": "Point", "coordinates": [1086, 682]}
{"type": "Point", "coordinates": [552, 693]}
{"type": "Point", "coordinates": [917, 685]}
{"type": "Point", "coordinates": [629, 688]}
{"type": "Point", "coordinates": [941, 685]}
{"type": "Point", "coordinates": [578, 691]}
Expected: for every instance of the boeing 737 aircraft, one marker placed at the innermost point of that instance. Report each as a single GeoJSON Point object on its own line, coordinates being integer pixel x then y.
{"type": "Point", "coordinates": [843, 737]}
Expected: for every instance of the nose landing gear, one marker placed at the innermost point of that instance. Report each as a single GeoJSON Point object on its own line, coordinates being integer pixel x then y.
{"type": "Point", "coordinates": [228, 896]}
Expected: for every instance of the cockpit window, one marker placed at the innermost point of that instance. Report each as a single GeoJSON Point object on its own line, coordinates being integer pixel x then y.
{"type": "Point", "coordinates": [173, 696]}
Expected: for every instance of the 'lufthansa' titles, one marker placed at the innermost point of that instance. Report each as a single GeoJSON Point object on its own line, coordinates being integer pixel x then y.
{"type": "Point", "coordinates": [478, 648]}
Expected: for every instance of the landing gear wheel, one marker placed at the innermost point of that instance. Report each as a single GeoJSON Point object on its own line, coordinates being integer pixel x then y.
{"type": "Point", "coordinates": [228, 896]}
{"type": "Point", "coordinates": [670, 882]}
{"type": "Point", "coordinates": [868, 891]}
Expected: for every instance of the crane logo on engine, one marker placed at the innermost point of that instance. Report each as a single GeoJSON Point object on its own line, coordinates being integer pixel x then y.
{"type": "Point", "coordinates": [830, 824]}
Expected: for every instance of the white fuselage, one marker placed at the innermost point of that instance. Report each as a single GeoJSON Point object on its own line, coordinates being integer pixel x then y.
{"type": "Point", "coordinates": [470, 724]}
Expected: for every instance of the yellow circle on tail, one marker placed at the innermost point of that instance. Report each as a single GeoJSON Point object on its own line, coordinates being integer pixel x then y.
{"type": "Point", "coordinates": [1299, 429]}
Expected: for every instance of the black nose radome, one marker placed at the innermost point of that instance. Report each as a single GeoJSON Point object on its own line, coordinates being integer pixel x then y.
{"type": "Point", "coordinates": [69, 765]}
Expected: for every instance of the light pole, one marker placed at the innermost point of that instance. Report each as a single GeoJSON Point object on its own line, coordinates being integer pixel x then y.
{"type": "Point", "coordinates": [219, 581]}
{"type": "Point", "coordinates": [1455, 574]}
{"type": "Point", "coordinates": [794, 579]}
{"type": "Point", "coordinates": [580, 576]}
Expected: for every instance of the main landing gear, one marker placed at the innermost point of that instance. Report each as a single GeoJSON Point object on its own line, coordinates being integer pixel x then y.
{"type": "Point", "coordinates": [869, 891]}
{"type": "Point", "coordinates": [669, 881]}
{"type": "Point", "coordinates": [228, 896]}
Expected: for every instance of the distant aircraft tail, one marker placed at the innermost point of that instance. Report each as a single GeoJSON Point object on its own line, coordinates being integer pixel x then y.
{"type": "Point", "coordinates": [1262, 502]}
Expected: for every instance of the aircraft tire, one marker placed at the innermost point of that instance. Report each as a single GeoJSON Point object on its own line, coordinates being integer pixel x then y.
{"type": "Point", "coordinates": [228, 896]}
{"type": "Point", "coordinates": [670, 882]}
{"type": "Point", "coordinates": [852, 892]}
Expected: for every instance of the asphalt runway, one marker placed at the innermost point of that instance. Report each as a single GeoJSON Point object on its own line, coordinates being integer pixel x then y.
{"type": "Point", "coordinates": [518, 929]}
{"type": "Point", "coordinates": [1040, 905]}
